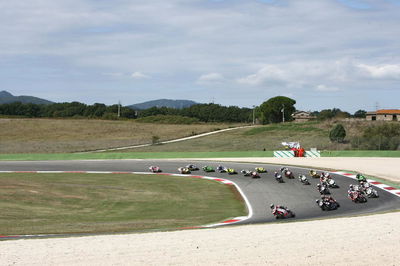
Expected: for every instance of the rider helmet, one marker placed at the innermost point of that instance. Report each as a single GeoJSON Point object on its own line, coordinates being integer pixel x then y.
{"type": "Point", "coordinates": [272, 206]}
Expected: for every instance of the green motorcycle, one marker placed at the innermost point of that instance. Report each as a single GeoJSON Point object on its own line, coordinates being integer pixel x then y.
{"type": "Point", "coordinates": [208, 169]}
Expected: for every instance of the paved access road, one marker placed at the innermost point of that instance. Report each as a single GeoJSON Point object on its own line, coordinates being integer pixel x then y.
{"type": "Point", "coordinates": [259, 192]}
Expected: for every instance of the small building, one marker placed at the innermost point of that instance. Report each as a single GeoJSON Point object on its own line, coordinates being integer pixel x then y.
{"type": "Point", "coordinates": [302, 116]}
{"type": "Point", "coordinates": [384, 115]}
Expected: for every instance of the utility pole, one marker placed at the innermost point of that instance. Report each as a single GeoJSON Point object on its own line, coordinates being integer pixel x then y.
{"type": "Point", "coordinates": [119, 109]}
{"type": "Point", "coordinates": [283, 113]}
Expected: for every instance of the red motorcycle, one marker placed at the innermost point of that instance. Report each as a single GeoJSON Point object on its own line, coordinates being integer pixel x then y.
{"type": "Point", "coordinates": [281, 212]}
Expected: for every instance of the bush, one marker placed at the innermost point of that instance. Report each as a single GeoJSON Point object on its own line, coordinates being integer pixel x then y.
{"type": "Point", "coordinates": [155, 140]}
{"type": "Point", "coordinates": [379, 137]}
{"type": "Point", "coordinates": [337, 134]}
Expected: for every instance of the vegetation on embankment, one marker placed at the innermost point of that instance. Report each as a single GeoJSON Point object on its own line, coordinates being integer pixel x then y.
{"type": "Point", "coordinates": [94, 203]}
{"type": "Point", "coordinates": [75, 135]}
{"type": "Point", "coordinates": [78, 135]}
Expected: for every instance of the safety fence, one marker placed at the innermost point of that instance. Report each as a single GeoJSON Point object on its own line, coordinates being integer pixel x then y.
{"type": "Point", "coordinates": [290, 154]}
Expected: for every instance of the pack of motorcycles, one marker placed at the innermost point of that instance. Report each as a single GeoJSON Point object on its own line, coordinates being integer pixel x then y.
{"type": "Point", "coordinates": [357, 193]}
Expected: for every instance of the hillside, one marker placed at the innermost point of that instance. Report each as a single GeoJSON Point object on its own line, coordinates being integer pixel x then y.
{"type": "Point", "coordinates": [6, 97]}
{"type": "Point", "coordinates": [177, 104]}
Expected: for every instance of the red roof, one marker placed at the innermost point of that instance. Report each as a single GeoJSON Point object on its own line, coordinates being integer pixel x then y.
{"type": "Point", "coordinates": [388, 112]}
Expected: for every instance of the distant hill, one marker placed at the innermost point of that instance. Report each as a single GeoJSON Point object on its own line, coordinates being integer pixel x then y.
{"type": "Point", "coordinates": [177, 104]}
{"type": "Point", "coordinates": [6, 97]}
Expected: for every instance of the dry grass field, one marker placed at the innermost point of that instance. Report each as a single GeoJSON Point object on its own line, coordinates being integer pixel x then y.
{"type": "Point", "coordinates": [74, 135]}
{"type": "Point", "coordinates": [77, 135]}
{"type": "Point", "coordinates": [268, 137]}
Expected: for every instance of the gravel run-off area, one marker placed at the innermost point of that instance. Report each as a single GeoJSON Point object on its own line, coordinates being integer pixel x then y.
{"type": "Point", "coordinates": [362, 240]}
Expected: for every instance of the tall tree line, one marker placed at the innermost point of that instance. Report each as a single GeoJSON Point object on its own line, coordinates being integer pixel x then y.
{"type": "Point", "coordinates": [203, 112]}
{"type": "Point", "coordinates": [60, 110]}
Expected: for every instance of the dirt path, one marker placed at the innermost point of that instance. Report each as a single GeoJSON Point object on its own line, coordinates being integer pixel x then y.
{"type": "Point", "coordinates": [364, 240]}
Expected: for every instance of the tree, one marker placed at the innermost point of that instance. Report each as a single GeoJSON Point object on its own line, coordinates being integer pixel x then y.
{"type": "Point", "coordinates": [337, 134]}
{"type": "Point", "coordinates": [360, 114]}
{"type": "Point", "coordinates": [271, 110]}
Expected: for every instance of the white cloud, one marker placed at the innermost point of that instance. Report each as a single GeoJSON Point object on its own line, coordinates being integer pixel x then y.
{"type": "Point", "coordinates": [210, 78]}
{"type": "Point", "coordinates": [380, 71]}
{"type": "Point", "coordinates": [139, 75]}
{"type": "Point", "coordinates": [325, 88]}
{"type": "Point", "coordinates": [266, 73]}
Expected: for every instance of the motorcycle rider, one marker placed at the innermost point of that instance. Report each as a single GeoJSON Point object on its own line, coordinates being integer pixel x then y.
{"type": "Point", "coordinates": [278, 208]}
{"type": "Point", "coordinates": [360, 178]}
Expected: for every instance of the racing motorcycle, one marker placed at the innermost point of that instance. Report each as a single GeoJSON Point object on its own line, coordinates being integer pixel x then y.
{"type": "Point", "coordinates": [361, 178]}
{"type": "Point", "coordinates": [357, 196]}
{"type": "Point", "coordinates": [281, 212]}
{"type": "Point", "coordinates": [278, 177]}
{"type": "Point", "coordinates": [326, 177]}
{"type": "Point", "coordinates": [221, 169]}
{"type": "Point", "coordinates": [208, 169]}
{"type": "Point", "coordinates": [155, 169]}
{"type": "Point", "coordinates": [327, 204]}
{"type": "Point", "coordinates": [314, 174]}
{"type": "Point", "coordinates": [287, 173]}
{"type": "Point", "coordinates": [303, 179]}
{"type": "Point", "coordinates": [323, 188]}
{"type": "Point", "coordinates": [192, 167]}
{"type": "Point", "coordinates": [246, 172]}
{"type": "Point", "coordinates": [231, 171]}
{"type": "Point", "coordinates": [184, 170]}
{"type": "Point", "coordinates": [260, 170]}
{"type": "Point", "coordinates": [331, 183]}
{"type": "Point", "coordinates": [254, 174]}
{"type": "Point", "coordinates": [368, 190]}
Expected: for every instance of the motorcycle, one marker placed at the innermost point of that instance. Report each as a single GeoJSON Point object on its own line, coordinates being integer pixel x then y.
{"type": "Point", "coordinates": [323, 189]}
{"type": "Point", "coordinates": [287, 173]}
{"type": "Point", "coordinates": [192, 167]}
{"type": "Point", "coordinates": [221, 169]}
{"type": "Point", "coordinates": [357, 197]}
{"type": "Point", "coordinates": [282, 212]}
{"type": "Point", "coordinates": [278, 177]}
{"type": "Point", "coordinates": [260, 170]}
{"type": "Point", "coordinates": [327, 205]}
{"type": "Point", "coordinates": [254, 174]}
{"type": "Point", "coordinates": [314, 174]}
{"type": "Point", "coordinates": [303, 179]}
{"type": "Point", "coordinates": [184, 170]}
{"type": "Point", "coordinates": [331, 183]}
{"type": "Point", "coordinates": [208, 169]}
{"type": "Point", "coordinates": [246, 172]}
{"type": "Point", "coordinates": [231, 171]}
{"type": "Point", "coordinates": [369, 191]}
{"type": "Point", "coordinates": [361, 178]}
{"type": "Point", "coordinates": [155, 169]}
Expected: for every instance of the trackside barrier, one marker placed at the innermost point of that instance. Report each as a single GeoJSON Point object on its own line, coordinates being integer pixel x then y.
{"type": "Point", "coordinates": [284, 154]}
{"type": "Point", "coordinates": [313, 154]}
{"type": "Point", "coordinates": [290, 154]}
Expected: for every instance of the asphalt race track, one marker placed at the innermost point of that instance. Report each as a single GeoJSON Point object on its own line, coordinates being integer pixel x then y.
{"type": "Point", "coordinates": [259, 192]}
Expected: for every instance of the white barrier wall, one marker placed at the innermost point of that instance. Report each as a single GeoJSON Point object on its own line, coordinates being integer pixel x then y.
{"type": "Point", "coordinates": [290, 154]}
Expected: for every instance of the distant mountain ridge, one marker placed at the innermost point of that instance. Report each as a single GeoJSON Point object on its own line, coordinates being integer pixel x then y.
{"type": "Point", "coordinates": [6, 97]}
{"type": "Point", "coordinates": [177, 104]}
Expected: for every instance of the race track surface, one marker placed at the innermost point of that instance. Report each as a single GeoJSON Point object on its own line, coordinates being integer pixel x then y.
{"type": "Point", "coordinates": [259, 192]}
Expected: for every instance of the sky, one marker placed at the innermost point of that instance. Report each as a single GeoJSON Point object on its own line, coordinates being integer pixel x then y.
{"type": "Point", "coordinates": [322, 53]}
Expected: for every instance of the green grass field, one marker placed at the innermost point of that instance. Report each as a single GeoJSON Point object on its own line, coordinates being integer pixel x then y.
{"type": "Point", "coordinates": [93, 203]}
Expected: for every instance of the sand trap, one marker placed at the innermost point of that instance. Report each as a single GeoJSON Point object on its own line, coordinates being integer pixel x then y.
{"type": "Point", "coordinates": [364, 240]}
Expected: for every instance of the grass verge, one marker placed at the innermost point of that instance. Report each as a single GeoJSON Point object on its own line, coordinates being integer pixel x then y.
{"type": "Point", "coordinates": [95, 203]}
{"type": "Point", "coordinates": [368, 153]}
{"type": "Point", "coordinates": [132, 155]}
